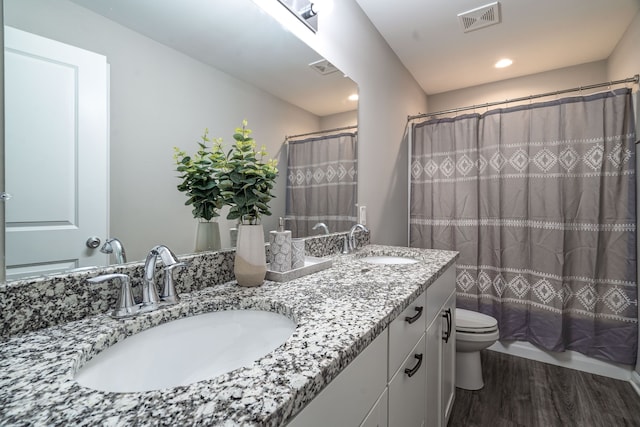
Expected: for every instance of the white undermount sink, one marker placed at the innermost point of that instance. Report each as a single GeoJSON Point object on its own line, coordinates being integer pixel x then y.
{"type": "Point", "coordinates": [388, 259]}
{"type": "Point", "coordinates": [186, 350]}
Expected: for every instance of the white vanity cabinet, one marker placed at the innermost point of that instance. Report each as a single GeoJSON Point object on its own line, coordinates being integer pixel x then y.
{"type": "Point", "coordinates": [405, 377]}
{"type": "Point", "coordinates": [353, 394]}
{"type": "Point", "coordinates": [440, 349]}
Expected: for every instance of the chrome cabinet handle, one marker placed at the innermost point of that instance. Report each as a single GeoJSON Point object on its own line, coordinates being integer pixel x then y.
{"type": "Point", "coordinates": [415, 317]}
{"type": "Point", "coordinates": [412, 371]}
{"type": "Point", "coordinates": [447, 316]}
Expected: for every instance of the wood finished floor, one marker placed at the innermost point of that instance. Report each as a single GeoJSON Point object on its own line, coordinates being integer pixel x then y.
{"type": "Point", "coordinates": [522, 392]}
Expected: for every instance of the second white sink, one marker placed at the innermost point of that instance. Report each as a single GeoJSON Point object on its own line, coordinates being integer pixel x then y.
{"type": "Point", "coordinates": [186, 350]}
{"type": "Point", "coordinates": [386, 259]}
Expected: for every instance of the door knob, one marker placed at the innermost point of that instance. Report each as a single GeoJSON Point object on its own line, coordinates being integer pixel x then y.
{"type": "Point", "coordinates": [4, 196]}
{"type": "Point", "coordinates": [93, 242]}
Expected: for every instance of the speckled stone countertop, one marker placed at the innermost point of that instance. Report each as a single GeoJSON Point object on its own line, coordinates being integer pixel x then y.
{"type": "Point", "coordinates": [338, 312]}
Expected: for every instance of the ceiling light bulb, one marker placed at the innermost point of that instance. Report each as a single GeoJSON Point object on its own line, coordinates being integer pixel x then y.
{"type": "Point", "coordinates": [503, 63]}
{"type": "Point", "coordinates": [353, 97]}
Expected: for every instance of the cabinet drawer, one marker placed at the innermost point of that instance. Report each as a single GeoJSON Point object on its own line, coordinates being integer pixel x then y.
{"type": "Point", "coordinates": [438, 293]}
{"type": "Point", "coordinates": [404, 333]}
{"type": "Point", "coordinates": [407, 394]}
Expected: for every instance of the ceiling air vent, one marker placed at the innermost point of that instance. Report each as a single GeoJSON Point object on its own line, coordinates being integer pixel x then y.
{"type": "Point", "coordinates": [323, 67]}
{"type": "Point", "coordinates": [480, 17]}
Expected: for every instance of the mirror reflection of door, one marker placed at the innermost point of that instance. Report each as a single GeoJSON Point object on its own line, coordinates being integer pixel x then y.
{"type": "Point", "coordinates": [56, 155]}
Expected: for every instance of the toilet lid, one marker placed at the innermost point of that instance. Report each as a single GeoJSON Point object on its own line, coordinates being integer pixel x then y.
{"type": "Point", "coordinates": [472, 321]}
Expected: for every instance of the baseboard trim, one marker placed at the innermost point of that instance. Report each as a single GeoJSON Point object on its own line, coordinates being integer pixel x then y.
{"type": "Point", "coordinates": [569, 359]}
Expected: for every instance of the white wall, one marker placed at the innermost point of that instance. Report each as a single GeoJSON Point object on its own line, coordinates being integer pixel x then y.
{"type": "Point", "coordinates": [160, 98]}
{"type": "Point", "coordinates": [563, 78]}
{"type": "Point", "coordinates": [349, 118]}
{"type": "Point", "coordinates": [388, 94]}
{"type": "Point", "coordinates": [625, 60]}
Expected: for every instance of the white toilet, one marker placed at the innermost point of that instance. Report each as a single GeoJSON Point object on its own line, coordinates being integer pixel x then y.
{"type": "Point", "coordinates": [474, 332]}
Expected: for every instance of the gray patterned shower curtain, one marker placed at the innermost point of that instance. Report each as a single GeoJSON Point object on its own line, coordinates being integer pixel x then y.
{"type": "Point", "coordinates": [540, 202]}
{"type": "Point", "coordinates": [322, 183]}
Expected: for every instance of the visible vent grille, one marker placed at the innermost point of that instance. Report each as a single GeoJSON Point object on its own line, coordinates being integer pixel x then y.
{"type": "Point", "coordinates": [480, 17]}
{"type": "Point", "coordinates": [323, 67]}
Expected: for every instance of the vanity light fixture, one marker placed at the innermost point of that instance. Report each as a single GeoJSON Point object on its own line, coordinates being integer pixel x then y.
{"type": "Point", "coordinates": [505, 62]}
{"type": "Point", "coordinates": [305, 10]}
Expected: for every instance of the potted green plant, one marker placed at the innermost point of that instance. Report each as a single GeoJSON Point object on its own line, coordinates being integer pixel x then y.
{"type": "Point", "coordinates": [199, 175]}
{"type": "Point", "coordinates": [246, 180]}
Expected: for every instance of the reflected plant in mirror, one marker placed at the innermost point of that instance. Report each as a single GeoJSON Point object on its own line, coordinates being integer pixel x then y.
{"type": "Point", "coordinates": [200, 182]}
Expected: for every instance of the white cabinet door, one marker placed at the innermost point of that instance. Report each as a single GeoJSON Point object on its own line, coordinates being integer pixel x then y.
{"type": "Point", "coordinates": [448, 357]}
{"type": "Point", "coordinates": [55, 155]}
{"type": "Point", "coordinates": [433, 351]}
{"type": "Point", "coordinates": [378, 416]}
{"type": "Point", "coordinates": [407, 390]}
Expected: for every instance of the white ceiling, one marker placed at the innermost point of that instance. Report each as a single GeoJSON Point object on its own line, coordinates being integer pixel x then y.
{"type": "Point", "coordinates": [238, 38]}
{"type": "Point", "coordinates": [538, 35]}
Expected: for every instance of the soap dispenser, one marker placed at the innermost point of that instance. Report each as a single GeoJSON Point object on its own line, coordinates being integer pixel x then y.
{"type": "Point", "coordinates": [280, 247]}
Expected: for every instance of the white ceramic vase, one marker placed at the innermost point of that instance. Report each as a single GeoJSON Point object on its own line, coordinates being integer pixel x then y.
{"type": "Point", "coordinates": [250, 265]}
{"type": "Point", "coordinates": [207, 236]}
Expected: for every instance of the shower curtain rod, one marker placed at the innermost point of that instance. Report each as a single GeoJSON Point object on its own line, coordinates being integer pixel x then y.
{"type": "Point", "coordinates": [287, 138]}
{"type": "Point", "coordinates": [634, 79]}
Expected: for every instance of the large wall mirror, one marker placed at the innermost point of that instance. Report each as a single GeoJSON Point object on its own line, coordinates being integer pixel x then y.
{"type": "Point", "coordinates": [174, 68]}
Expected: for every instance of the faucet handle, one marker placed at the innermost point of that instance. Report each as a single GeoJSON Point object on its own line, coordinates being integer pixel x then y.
{"type": "Point", "coordinates": [126, 305]}
{"type": "Point", "coordinates": [345, 245]}
{"type": "Point", "coordinates": [169, 294]}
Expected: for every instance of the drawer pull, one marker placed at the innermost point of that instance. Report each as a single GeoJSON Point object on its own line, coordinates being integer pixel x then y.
{"type": "Point", "coordinates": [410, 320]}
{"type": "Point", "coordinates": [412, 371]}
{"type": "Point", "coordinates": [447, 333]}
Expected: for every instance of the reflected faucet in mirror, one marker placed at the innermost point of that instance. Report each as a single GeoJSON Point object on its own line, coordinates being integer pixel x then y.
{"type": "Point", "coordinates": [350, 243]}
{"type": "Point", "coordinates": [114, 246]}
{"type": "Point", "coordinates": [321, 226]}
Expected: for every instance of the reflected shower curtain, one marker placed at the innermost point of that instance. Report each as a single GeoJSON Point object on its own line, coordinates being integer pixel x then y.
{"type": "Point", "coordinates": [540, 202]}
{"type": "Point", "coordinates": [322, 183]}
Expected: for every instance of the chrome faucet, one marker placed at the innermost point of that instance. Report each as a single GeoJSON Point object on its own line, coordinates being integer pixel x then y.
{"type": "Point", "coordinates": [115, 247]}
{"type": "Point", "coordinates": [126, 305]}
{"type": "Point", "coordinates": [323, 226]}
{"type": "Point", "coordinates": [350, 240]}
{"type": "Point", "coordinates": [150, 298]}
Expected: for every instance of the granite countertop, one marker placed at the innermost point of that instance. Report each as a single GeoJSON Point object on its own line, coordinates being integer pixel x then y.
{"type": "Point", "coordinates": [338, 312]}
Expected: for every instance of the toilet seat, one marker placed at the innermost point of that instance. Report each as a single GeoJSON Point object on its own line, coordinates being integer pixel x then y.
{"type": "Point", "coordinates": [472, 322]}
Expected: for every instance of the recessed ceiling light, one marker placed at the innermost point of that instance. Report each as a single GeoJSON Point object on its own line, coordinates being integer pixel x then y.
{"type": "Point", "coordinates": [503, 63]}
{"type": "Point", "coordinates": [353, 97]}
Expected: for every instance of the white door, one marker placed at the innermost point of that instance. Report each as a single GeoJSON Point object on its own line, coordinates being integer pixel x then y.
{"type": "Point", "coordinates": [56, 154]}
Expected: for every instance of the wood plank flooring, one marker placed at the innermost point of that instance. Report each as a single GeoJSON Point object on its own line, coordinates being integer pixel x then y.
{"type": "Point", "coordinates": [521, 392]}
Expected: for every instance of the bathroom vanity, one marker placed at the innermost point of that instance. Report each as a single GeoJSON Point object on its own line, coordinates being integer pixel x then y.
{"type": "Point", "coordinates": [359, 331]}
